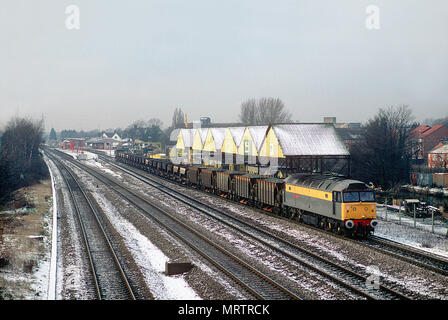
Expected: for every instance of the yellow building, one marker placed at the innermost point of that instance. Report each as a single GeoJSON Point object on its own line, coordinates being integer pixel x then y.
{"type": "Point", "coordinates": [199, 137]}
{"type": "Point", "coordinates": [211, 151]}
{"type": "Point", "coordinates": [252, 140]}
{"type": "Point", "coordinates": [232, 140]}
{"type": "Point", "coordinates": [304, 147]}
{"type": "Point", "coordinates": [184, 145]}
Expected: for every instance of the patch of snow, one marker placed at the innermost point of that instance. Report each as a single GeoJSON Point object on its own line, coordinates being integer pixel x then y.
{"type": "Point", "coordinates": [95, 163]}
{"type": "Point", "coordinates": [75, 154]}
{"type": "Point", "coordinates": [51, 295]}
{"type": "Point", "coordinates": [150, 259]}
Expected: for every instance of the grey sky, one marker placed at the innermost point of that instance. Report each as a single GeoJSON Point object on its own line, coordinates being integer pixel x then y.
{"type": "Point", "coordinates": [141, 59]}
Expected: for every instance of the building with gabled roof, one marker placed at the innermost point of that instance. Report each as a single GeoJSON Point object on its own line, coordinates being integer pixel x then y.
{"type": "Point", "coordinates": [199, 137]}
{"type": "Point", "coordinates": [251, 141]}
{"type": "Point", "coordinates": [232, 139]}
{"type": "Point", "coordinates": [184, 145]}
{"type": "Point", "coordinates": [419, 130]}
{"type": "Point", "coordinates": [305, 147]}
{"type": "Point", "coordinates": [211, 151]}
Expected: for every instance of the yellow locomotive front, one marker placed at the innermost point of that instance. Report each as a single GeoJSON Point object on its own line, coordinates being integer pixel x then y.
{"type": "Point", "coordinates": [358, 210]}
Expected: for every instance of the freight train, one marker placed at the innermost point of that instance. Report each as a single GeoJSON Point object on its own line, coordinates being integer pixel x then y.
{"type": "Point", "coordinates": [338, 204]}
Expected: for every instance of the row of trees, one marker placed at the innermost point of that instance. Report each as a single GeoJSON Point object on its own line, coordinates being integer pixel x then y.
{"type": "Point", "coordinates": [145, 130]}
{"type": "Point", "coordinates": [21, 163]}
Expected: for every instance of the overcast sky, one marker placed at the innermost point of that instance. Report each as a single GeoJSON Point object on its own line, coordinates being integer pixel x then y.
{"type": "Point", "coordinates": [141, 59]}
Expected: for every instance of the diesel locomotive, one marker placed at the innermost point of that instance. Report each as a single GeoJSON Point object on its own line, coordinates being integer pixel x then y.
{"type": "Point", "coordinates": [334, 203]}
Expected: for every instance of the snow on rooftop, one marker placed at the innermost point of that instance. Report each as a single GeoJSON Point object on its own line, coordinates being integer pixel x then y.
{"type": "Point", "coordinates": [218, 135]}
{"type": "Point", "coordinates": [237, 134]}
{"type": "Point", "coordinates": [309, 139]}
{"type": "Point", "coordinates": [187, 136]}
{"type": "Point", "coordinates": [258, 134]}
{"type": "Point", "coordinates": [203, 134]}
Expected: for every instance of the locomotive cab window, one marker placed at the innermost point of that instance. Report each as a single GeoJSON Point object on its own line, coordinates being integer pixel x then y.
{"type": "Point", "coordinates": [367, 196]}
{"type": "Point", "coordinates": [351, 196]}
{"type": "Point", "coordinates": [337, 196]}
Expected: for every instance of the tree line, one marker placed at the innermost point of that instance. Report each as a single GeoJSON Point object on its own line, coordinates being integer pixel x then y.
{"type": "Point", "coordinates": [21, 163]}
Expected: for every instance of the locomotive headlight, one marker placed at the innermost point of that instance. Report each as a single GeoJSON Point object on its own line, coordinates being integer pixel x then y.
{"type": "Point", "coordinates": [349, 224]}
{"type": "Point", "coordinates": [373, 223]}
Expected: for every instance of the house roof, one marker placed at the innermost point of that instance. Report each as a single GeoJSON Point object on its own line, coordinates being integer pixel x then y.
{"type": "Point", "coordinates": [429, 131]}
{"type": "Point", "coordinates": [440, 148]}
{"type": "Point", "coordinates": [420, 129]}
{"type": "Point", "coordinates": [302, 139]}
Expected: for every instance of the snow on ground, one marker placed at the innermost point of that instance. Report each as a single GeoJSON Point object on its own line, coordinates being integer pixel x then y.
{"type": "Point", "coordinates": [150, 259]}
{"type": "Point", "coordinates": [51, 293]}
{"type": "Point", "coordinates": [69, 277]}
{"type": "Point", "coordinates": [417, 238]}
{"type": "Point", "coordinates": [440, 228]}
{"type": "Point", "coordinates": [98, 165]}
{"type": "Point", "coordinates": [77, 154]}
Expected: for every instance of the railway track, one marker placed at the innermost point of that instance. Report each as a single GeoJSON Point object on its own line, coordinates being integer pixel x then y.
{"type": "Point", "coordinates": [420, 258]}
{"type": "Point", "coordinates": [109, 279]}
{"type": "Point", "coordinates": [338, 274]}
{"type": "Point", "coordinates": [425, 260]}
{"type": "Point", "coordinates": [254, 281]}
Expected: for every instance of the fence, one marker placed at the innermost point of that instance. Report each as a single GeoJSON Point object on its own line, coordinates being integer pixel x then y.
{"type": "Point", "coordinates": [392, 210]}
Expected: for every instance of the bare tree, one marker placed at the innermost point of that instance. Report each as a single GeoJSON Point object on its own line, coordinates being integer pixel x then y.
{"type": "Point", "coordinates": [381, 156]}
{"type": "Point", "coordinates": [177, 119]}
{"type": "Point", "coordinates": [272, 110]}
{"type": "Point", "coordinates": [249, 112]}
{"type": "Point", "coordinates": [20, 161]}
{"type": "Point", "coordinates": [264, 111]}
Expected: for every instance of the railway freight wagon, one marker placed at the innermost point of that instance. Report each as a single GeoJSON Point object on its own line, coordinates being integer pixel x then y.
{"type": "Point", "coordinates": [193, 175]}
{"type": "Point", "coordinates": [225, 182]}
{"type": "Point", "coordinates": [178, 173]}
{"type": "Point", "coordinates": [208, 178]}
{"type": "Point", "coordinates": [270, 194]}
{"type": "Point", "coordinates": [245, 187]}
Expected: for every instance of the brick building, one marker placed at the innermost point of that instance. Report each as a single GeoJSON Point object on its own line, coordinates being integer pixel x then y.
{"type": "Point", "coordinates": [423, 139]}
{"type": "Point", "coordinates": [438, 157]}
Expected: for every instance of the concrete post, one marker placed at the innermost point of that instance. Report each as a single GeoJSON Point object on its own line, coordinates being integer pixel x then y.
{"type": "Point", "coordinates": [415, 222]}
